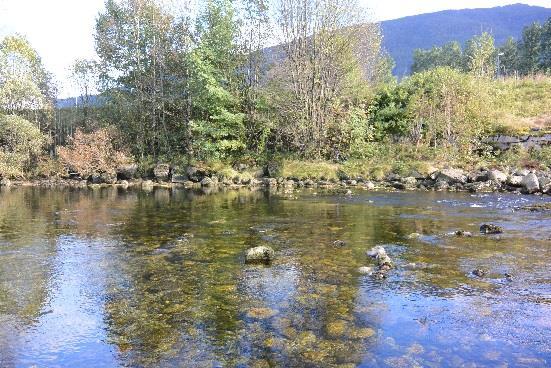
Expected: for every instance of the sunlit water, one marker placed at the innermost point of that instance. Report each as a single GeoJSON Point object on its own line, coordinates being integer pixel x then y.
{"type": "Point", "coordinates": [111, 278]}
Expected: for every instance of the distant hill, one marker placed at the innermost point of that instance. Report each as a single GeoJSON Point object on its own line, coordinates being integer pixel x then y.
{"type": "Point", "coordinates": [402, 36]}
{"type": "Point", "coordinates": [67, 103]}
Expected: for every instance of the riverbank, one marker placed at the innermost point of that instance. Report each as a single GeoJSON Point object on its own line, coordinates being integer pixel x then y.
{"type": "Point", "coordinates": [522, 181]}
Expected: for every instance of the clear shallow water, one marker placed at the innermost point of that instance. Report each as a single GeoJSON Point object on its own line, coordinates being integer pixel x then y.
{"type": "Point", "coordinates": [114, 278]}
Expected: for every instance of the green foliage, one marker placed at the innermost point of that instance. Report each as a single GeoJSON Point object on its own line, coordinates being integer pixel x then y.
{"type": "Point", "coordinates": [530, 49]}
{"type": "Point", "coordinates": [545, 47]}
{"type": "Point", "coordinates": [389, 113]}
{"type": "Point", "coordinates": [441, 106]}
{"type": "Point", "coordinates": [25, 86]}
{"type": "Point", "coordinates": [21, 143]}
{"type": "Point", "coordinates": [448, 55]}
{"type": "Point", "coordinates": [480, 53]}
{"type": "Point", "coordinates": [219, 124]}
{"type": "Point", "coordinates": [509, 58]}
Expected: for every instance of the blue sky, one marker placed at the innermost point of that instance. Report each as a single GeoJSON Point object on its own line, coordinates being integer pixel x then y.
{"type": "Point", "coordinates": [61, 30]}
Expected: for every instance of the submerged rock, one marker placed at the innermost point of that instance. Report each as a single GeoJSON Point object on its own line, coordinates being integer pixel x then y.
{"type": "Point", "coordinates": [261, 313]}
{"type": "Point", "coordinates": [491, 229]}
{"type": "Point", "coordinates": [366, 270]}
{"type": "Point", "coordinates": [414, 236]}
{"type": "Point", "coordinates": [480, 272]}
{"type": "Point", "coordinates": [540, 207]}
{"type": "Point", "coordinates": [462, 233]}
{"type": "Point", "coordinates": [261, 254]}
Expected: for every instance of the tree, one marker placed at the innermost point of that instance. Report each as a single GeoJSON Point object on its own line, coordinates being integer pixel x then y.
{"type": "Point", "coordinates": [545, 47]}
{"type": "Point", "coordinates": [530, 49]}
{"type": "Point", "coordinates": [327, 45]}
{"type": "Point", "coordinates": [449, 55]}
{"type": "Point", "coordinates": [25, 86]}
{"type": "Point", "coordinates": [509, 59]}
{"type": "Point", "coordinates": [135, 42]}
{"type": "Point", "coordinates": [255, 32]}
{"type": "Point", "coordinates": [218, 122]}
{"type": "Point", "coordinates": [84, 74]}
{"type": "Point", "coordinates": [480, 54]}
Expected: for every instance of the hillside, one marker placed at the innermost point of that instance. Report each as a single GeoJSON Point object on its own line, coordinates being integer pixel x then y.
{"type": "Point", "coordinates": [404, 35]}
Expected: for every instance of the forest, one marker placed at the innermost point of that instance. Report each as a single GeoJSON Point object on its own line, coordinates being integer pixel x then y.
{"type": "Point", "coordinates": [306, 84]}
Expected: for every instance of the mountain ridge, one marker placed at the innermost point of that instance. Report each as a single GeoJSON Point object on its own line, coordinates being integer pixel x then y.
{"type": "Point", "coordinates": [403, 35]}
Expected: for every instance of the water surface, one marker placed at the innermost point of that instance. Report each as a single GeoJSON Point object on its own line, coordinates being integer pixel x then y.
{"type": "Point", "coordinates": [118, 278]}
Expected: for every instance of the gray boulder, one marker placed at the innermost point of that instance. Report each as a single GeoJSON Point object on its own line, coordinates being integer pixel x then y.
{"type": "Point", "coordinates": [379, 254]}
{"type": "Point", "coordinates": [162, 172]}
{"type": "Point", "coordinates": [410, 181]}
{"type": "Point", "coordinates": [491, 229]}
{"type": "Point", "coordinates": [515, 180]}
{"type": "Point", "coordinates": [207, 182]}
{"type": "Point", "coordinates": [127, 172]}
{"type": "Point", "coordinates": [260, 254]}
{"type": "Point", "coordinates": [497, 176]}
{"type": "Point", "coordinates": [441, 185]}
{"type": "Point", "coordinates": [530, 183]}
{"type": "Point", "coordinates": [366, 270]}
{"type": "Point", "coordinates": [452, 176]}
{"type": "Point", "coordinates": [179, 177]}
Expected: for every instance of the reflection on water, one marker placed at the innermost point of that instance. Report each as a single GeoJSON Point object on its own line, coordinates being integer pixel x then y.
{"type": "Point", "coordinates": [125, 278]}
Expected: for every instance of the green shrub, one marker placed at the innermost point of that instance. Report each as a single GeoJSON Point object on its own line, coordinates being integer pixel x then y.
{"type": "Point", "coordinates": [21, 143]}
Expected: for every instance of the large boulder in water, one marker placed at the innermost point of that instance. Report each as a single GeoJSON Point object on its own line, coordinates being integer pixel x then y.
{"type": "Point", "coordinates": [530, 183]}
{"type": "Point", "coordinates": [260, 254]}
{"type": "Point", "coordinates": [380, 256]}
{"type": "Point", "coordinates": [491, 229]}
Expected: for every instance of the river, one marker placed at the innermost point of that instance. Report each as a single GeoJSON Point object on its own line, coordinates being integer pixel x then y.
{"type": "Point", "coordinates": [122, 278]}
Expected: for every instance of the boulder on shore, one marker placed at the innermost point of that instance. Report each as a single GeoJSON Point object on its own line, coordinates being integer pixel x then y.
{"type": "Point", "coordinates": [162, 172]}
{"type": "Point", "coordinates": [497, 176]}
{"type": "Point", "coordinates": [127, 172]}
{"type": "Point", "coordinates": [530, 183]}
{"type": "Point", "coordinates": [260, 254]}
{"type": "Point", "coordinates": [452, 176]}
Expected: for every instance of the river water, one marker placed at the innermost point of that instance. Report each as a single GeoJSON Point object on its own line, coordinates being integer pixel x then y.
{"type": "Point", "coordinates": [121, 278]}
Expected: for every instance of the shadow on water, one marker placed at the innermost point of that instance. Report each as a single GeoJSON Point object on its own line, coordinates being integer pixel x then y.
{"type": "Point", "coordinates": [114, 277]}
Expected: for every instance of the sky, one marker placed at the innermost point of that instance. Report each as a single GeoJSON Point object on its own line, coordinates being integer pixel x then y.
{"type": "Point", "coordinates": [62, 30]}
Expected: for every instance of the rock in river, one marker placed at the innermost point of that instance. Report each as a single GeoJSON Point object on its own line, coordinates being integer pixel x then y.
{"type": "Point", "coordinates": [379, 254]}
{"type": "Point", "coordinates": [480, 272]}
{"type": "Point", "coordinates": [260, 254]}
{"type": "Point", "coordinates": [491, 229]}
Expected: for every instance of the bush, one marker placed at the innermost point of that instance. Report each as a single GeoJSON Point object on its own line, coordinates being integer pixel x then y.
{"type": "Point", "coordinates": [21, 143]}
{"type": "Point", "coordinates": [438, 107]}
{"type": "Point", "coordinates": [92, 153]}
